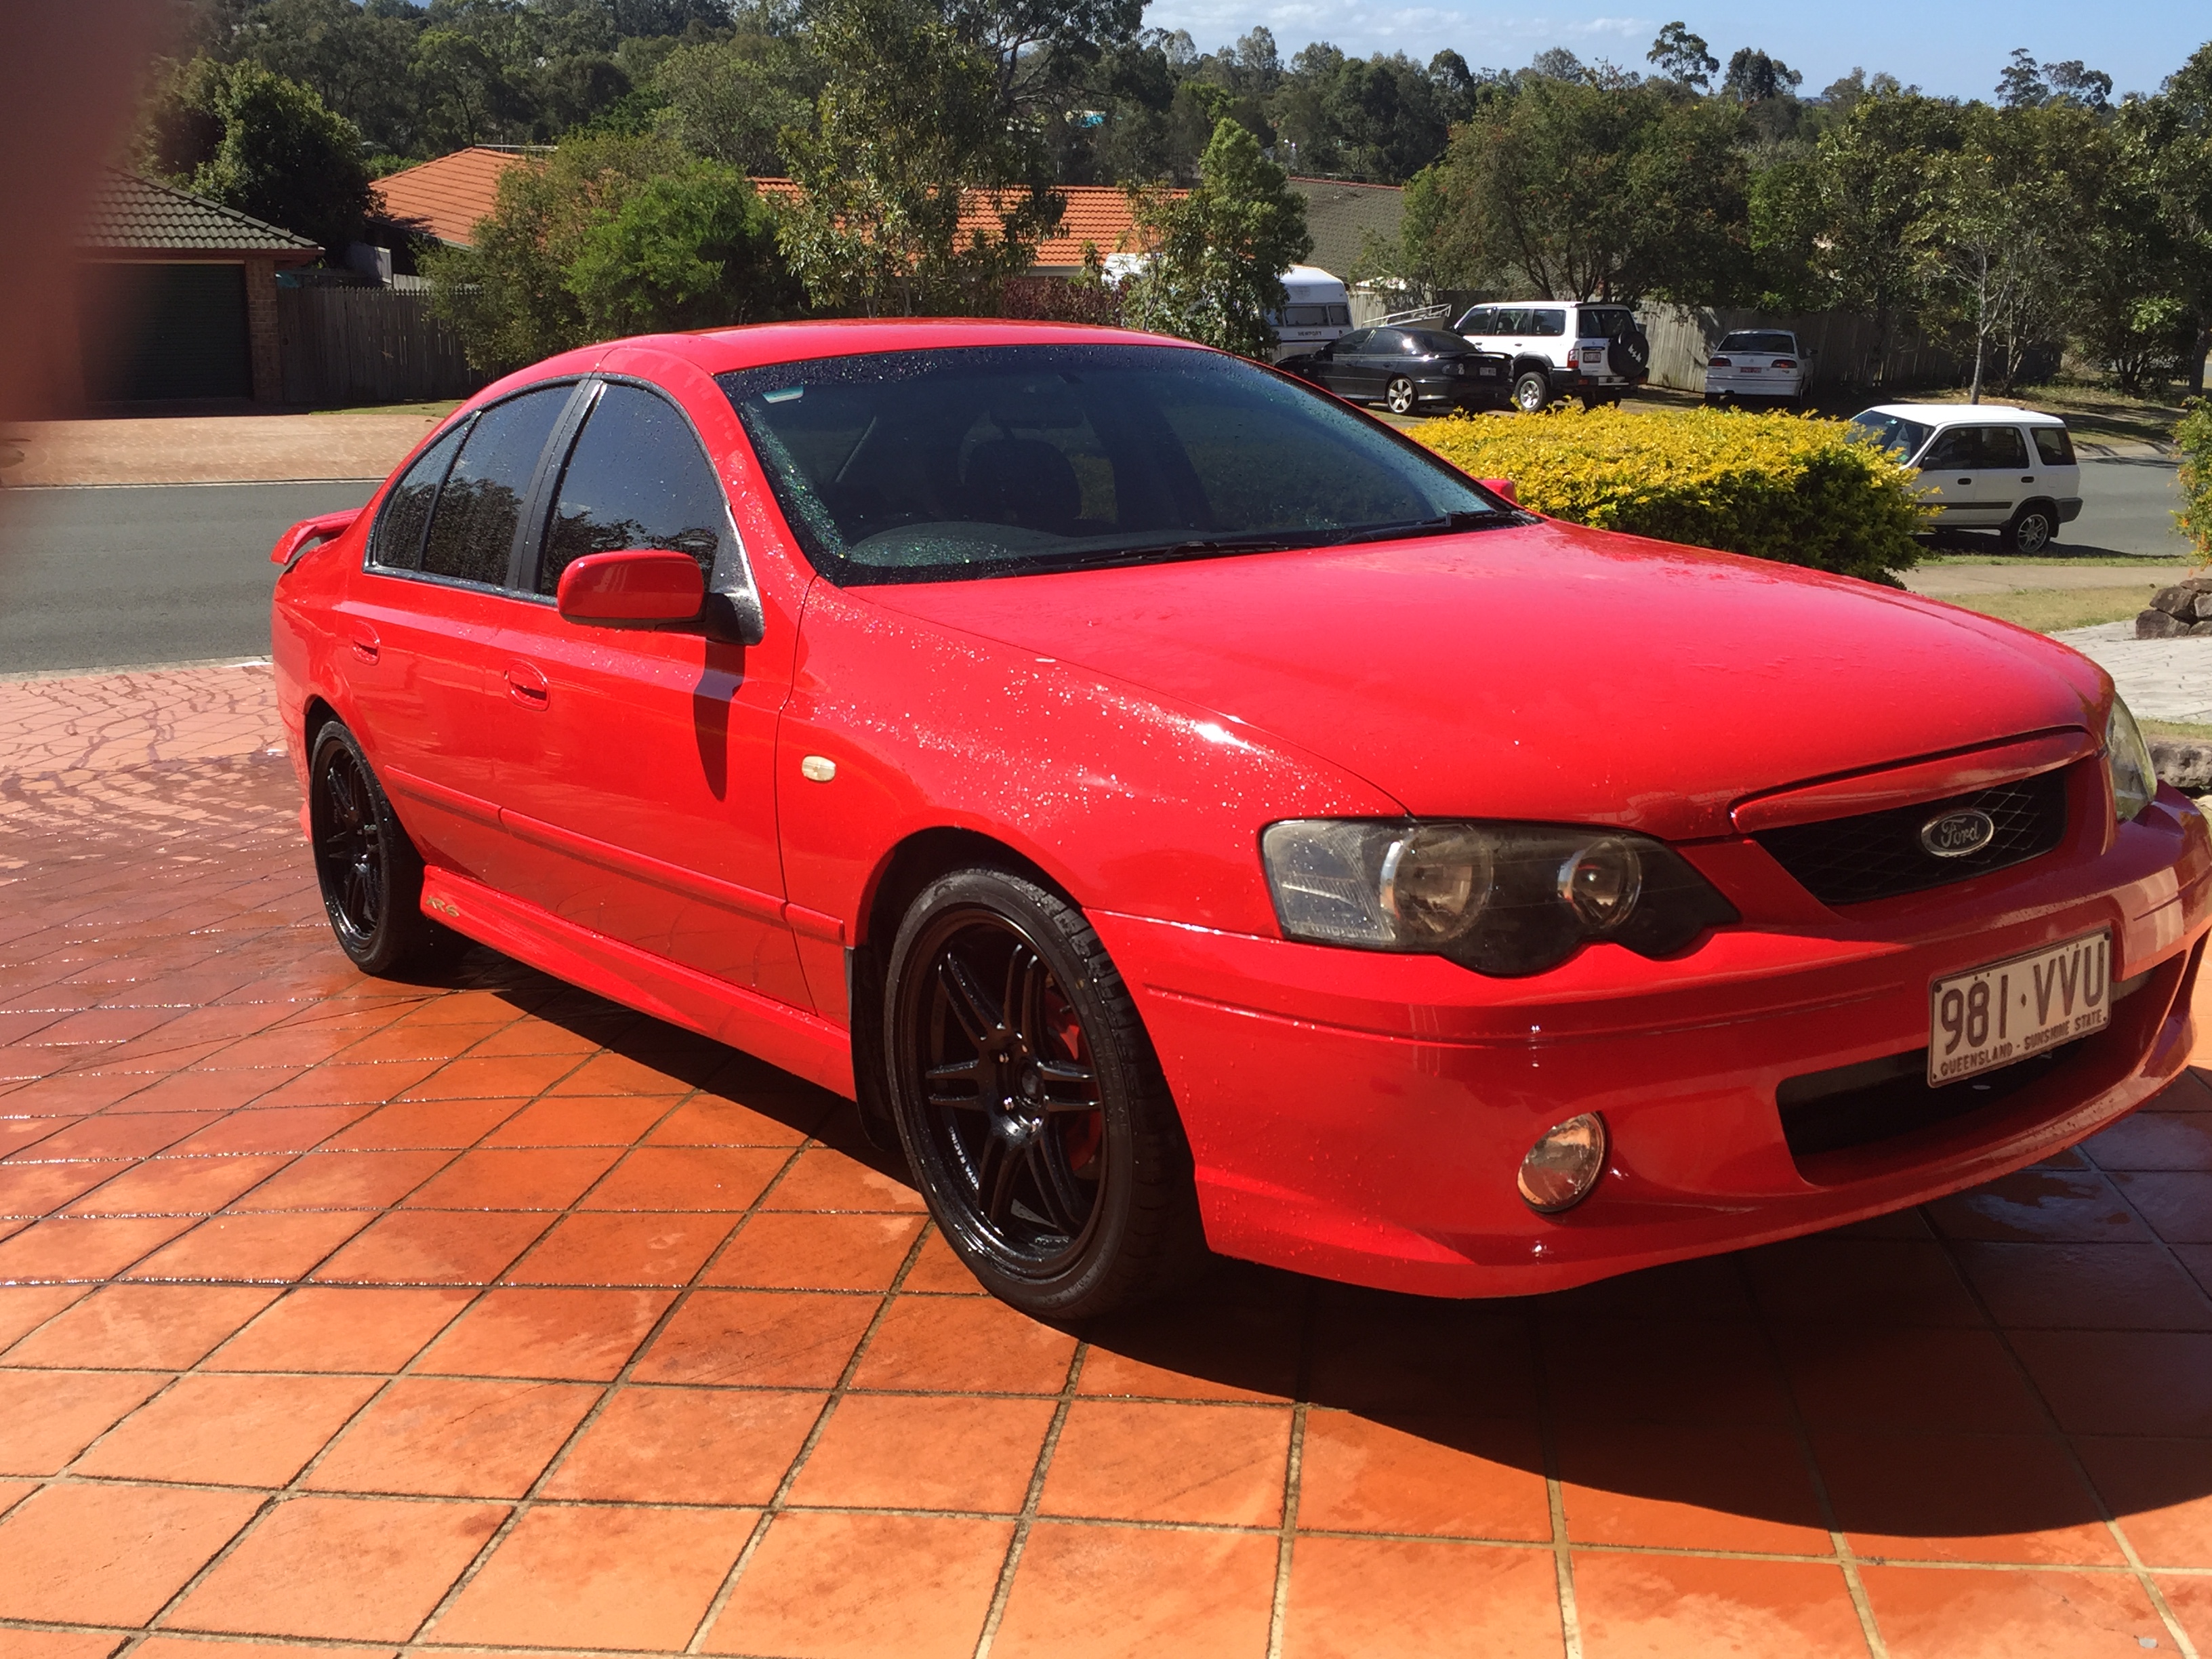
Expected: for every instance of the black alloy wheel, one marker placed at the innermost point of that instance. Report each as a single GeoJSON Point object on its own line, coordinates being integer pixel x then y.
{"type": "Point", "coordinates": [370, 874]}
{"type": "Point", "coordinates": [1400, 397]}
{"type": "Point", "coordinates": [1532, 392]}
{"type": "Point", "coordinates": [1029, 1102]}
{"type": "Point", "coordinates": [2031, 530]}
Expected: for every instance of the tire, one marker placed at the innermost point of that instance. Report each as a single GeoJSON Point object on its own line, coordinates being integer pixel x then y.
{"type": "Point", "coordinates": [1030, 1102]}
{"type": "Point", "coordinates": [370, 874]}
{"type": "Point", "coordinates": [1532, 392]}
{"type": "Point", "coordinates": [1630, 356]}
{"type": "Point", "coordinates": [2032, 529]}
{"type": "Point", "coordinates": [1399, 397]}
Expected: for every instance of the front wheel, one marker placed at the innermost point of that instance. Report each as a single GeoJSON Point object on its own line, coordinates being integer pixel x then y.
{"type": "Point", "coordinates": [1398, 397]}
{"type": "Point", "coordinates": [1030, 1102]}
{"type": "Point", "coordinates": [1532, 392]}
{"type": "Point", "coordinates": [370, 874]}
{"type": "Point", "coordinates": [2031, 531]}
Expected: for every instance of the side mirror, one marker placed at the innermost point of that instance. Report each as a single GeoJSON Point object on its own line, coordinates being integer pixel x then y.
{"type": "Point", "coordinates": [643, 585]}
{"type": "Point", "coordinates": [1501, 486]}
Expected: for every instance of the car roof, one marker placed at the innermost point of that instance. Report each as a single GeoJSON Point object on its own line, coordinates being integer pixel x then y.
{"type": "Point", "coordinates": [1960, 413]}
{"type": "Point", "coordinates": [716, 352]}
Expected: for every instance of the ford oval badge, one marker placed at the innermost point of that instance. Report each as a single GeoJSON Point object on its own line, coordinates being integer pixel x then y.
{"type": "Point", "coordinates": [1957, 834]}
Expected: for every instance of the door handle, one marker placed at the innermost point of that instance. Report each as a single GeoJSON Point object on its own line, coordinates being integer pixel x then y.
{"type": "Point", "coordinates": [366, 645]}
{"type": "Point", "coordinates": [1965, 481]}
{"type": "Point", "coordinates": [2029, 479]}
{"type": "Point", "coordinates": [526, 685]}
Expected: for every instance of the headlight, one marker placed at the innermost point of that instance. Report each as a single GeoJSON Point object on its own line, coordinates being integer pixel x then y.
{"type": "Point", "coordinates": [2127, 762]}
{"type": "Point", "coordinates": [1505, 899]}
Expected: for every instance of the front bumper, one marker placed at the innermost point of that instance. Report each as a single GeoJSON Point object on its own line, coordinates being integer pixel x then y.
{"type": "Point", "coordinates": [1361, 1115]}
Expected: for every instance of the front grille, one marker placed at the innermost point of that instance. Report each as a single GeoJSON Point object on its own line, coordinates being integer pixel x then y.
{"type": "Point", "coordinates": [1878, 855]}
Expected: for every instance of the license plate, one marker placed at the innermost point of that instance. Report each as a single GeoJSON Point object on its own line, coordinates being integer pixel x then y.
{"type": "Point", "coordinates": [1991, 1016]}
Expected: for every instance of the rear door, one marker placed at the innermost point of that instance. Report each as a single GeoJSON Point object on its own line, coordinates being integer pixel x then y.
{"type": "Point", "coordinates": [1344, 371]}
{"type": "Point", "coordinates": [637, 769]}
{"type": "Point", "coordinates": [422, 622]}
{"type": "Point", "coordinates": [1973, 475]}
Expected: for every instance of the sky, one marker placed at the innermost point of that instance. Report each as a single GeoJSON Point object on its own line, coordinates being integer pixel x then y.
{"type": "Point", "coordinates": [1946, 47]}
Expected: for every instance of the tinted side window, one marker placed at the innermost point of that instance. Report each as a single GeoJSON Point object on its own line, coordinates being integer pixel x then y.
{"type": "Point", "coordinates": [397, 543]}
{"type": "Point", "coordinates": [2003, 446]}
{"type": "Point", "coordinates": [1390, 340]}
{"type": "Point", "coordinates": [1479, 319]}
{"type": "Point", "coordinates": [1548, 322]}
{"type": "Point", "coordinates": [1510, 321]}
{"type": "Point", "coordinates": [1954, 448]}
{"type": "Point", "coordinates": [472, 531]}
{"type": "Point", "coordinates": [2055, 444]}
{"type": "Point", "coordinates": [1355, 341]}
{"type": "Point", "coordinates": [637, 477]}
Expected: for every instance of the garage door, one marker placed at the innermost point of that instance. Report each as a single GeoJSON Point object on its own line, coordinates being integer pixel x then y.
{"type": "Point", "coordinates": [162, 332]}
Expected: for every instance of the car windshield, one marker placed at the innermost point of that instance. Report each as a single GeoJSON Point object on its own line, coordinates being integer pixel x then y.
{"type": "Point", "coordinates": [1901, 437]}
{"type": "Point", "coordinates": [940, 465]}
{"type": "Point", "coordinates": [1768, 342]}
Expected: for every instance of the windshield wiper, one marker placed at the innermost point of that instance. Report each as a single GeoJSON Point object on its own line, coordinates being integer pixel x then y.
{"type": "Point", "coordinates": [1195, 548]}
{"type": "Point", "coordinates": [1463, 518]}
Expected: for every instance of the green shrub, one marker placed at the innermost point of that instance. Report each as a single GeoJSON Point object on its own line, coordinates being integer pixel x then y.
{"type": "Point", "coordinates": [1781, 486]}
{"type": "Point", "coordinates": [2194, 436]}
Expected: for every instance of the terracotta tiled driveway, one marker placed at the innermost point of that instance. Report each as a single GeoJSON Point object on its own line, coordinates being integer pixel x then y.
{"type": "Point", "coordinates": [485, 1315]}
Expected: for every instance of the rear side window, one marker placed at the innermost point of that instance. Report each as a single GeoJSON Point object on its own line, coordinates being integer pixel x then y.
{"type": "Point", "coordinates": [2055, 444]}
{"type": "Point", "coordinates": [1544, 320]}
{"type": "Point", "coordinates": [637, 477]}
{"type": "Point", "coordinates": [1387, 340]}
{"type": "Point", "coordinates": [1607, 323]}
{"type": "Point", "coordinates": [398, 542]}
{"type": "Point", "coordinates": [472, 531]}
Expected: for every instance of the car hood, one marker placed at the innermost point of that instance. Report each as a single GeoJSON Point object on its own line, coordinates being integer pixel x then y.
{"type": "Point", "coordinates": [1545, 671]}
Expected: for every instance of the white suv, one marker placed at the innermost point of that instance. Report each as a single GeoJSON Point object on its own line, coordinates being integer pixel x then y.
{"type": "Point", "coordinates": [1586, 348]}
{"type": "Point", "coordinates": [1985, 466]}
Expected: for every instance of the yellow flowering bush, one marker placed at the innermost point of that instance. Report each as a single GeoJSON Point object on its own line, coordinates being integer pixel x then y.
{"type": "Point", "coordinates": [1783, 486]}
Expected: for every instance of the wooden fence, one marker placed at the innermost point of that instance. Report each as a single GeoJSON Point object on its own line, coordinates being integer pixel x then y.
{"type": "Point", "coordinates": [1843, 348]}
{"type": "Point", "coordinates": [368, 345]}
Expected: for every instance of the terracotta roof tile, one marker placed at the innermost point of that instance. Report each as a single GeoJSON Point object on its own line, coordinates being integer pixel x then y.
{"type": "Point", "coordinates": [127, 211]}
{"type": "Point", "coordinates": [447, 197]}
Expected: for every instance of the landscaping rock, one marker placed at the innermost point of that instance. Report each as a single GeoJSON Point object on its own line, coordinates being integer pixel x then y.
{"type": "Point", "coordinates": [2184, 762]}
{"type": "Point", "coordinates": [2155, 624]}
{"type": "Point", "coordinates": [2198, 628]}
{"type": "Point", "coordinates": [2179, 600]}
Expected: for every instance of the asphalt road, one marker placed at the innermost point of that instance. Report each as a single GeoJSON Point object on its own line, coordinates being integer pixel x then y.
{"type": "Point", "coordinates": [131, 574]}
{"type": "Point", "coordinates": [126, 575]}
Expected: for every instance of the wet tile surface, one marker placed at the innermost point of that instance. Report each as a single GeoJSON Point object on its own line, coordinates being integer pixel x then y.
{"type": "Point", "coordinates": [483, 1315]}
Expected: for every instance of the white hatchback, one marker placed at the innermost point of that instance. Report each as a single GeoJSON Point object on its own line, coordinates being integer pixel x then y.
{"type": "Point", "coordinates": [1757, 362]}
{"type": "Point", "coordinates": [1985, 466]}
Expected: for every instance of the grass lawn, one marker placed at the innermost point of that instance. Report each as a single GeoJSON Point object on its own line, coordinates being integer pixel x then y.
{"type": "Point", "coordinates": [2119, 561]}
{"type": "Point", "coordinates": [2090, 412]}
{"type": "Point", "coordinates": [2175, 729]}
{"type": "Point", "coordinates": [2049, 610]}
{"type": "Point", "coordinates": [434, 409]}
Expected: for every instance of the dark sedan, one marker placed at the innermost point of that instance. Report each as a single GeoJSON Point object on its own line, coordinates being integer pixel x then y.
{"type": "Point", "coordinates": [1405, 369]}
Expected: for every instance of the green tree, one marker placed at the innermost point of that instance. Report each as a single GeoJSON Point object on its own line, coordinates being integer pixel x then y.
{"type": "Point", "coordinates": [731, 100]}
{"type": "Point", "coordinates": [266, 145]}
{"type": "Point", "coordinates": [1577, 191]}
{"type": "Point", "coordinates": [1681, 56]}
{"type": "Point", "coordinates": [1218, 254]}
{"type": "Point", "coordinates": [691, 248]}
{"type": "Point", "coordinates": [615, 234]}
{"type": "Point", "coordinates": [909, 129]}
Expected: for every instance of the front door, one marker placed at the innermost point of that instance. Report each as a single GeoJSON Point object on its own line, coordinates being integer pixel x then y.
{"type": "Point", "coordinates": [636, 770]}
{"type": "Point", "coordinates": [1973, 475]}
{"type": "Point", "coordinates": [420, 627]}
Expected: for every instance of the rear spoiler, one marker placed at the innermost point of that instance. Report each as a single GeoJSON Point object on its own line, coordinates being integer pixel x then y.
{"type": "Point", "coordinates": [308, 532]}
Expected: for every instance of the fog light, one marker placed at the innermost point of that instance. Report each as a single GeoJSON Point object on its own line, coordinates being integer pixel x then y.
{"type": "Point", "coordinates": [1563, 1164]}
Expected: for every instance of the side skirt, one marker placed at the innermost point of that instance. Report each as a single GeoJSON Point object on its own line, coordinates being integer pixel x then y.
{"type": "Point", "coordinates": [803, 1043]}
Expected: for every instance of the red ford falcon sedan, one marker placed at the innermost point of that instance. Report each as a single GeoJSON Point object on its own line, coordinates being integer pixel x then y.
{"type": "Point", "coordinates": [1185, 814]}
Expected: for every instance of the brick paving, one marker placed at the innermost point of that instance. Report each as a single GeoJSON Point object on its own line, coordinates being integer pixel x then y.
{"type": "Point", "coordinates": [484, 1314]}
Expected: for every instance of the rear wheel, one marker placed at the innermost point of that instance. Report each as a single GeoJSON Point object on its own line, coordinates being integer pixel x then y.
{"type": "Point", "coordinates": [1398, 397]}
{"type": "Point", "coordinates": [2032, 529]}
{"type": "Point", "coordinates": [1030, 1102]}
{"type": "Point", "coordinates": [1532, 392]}
{"type": "Point", "coordinates": [370, 874]}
